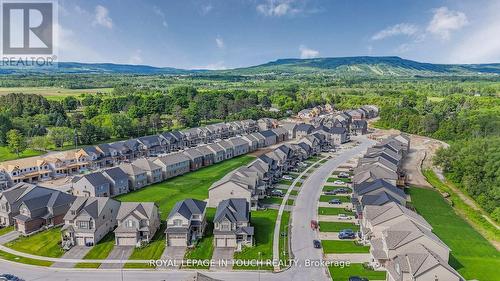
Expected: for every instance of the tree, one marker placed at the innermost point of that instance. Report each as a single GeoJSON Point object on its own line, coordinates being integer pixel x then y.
{"type": "Point", "coordinates": [39, 143]}
{"type": "Point", "coordinates": [16, 141]}
{"type": "Point", "coordinates": [60, 135]}
{"type": "Point", "coordinates": [70, 103]}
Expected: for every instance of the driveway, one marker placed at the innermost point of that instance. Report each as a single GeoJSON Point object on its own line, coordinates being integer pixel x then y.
{"type": "Point", "coordinates": [335, 218]}
{"type": "Point", "coordinates": [343, 205]}
{"type": "Point", "coordinates": [222, 254]}
{"type": "Point", "coordinates": [7, 237]}
{"type": "Point", "coordinates": [77, 252]}
{"type": "Point", "coordinates": [353, 258]}
{"type": "Point", "coordinates": [118, 253]}
{"type": "Point", "coordinates": [174, 254]}
{"type": "Point", "coordinates": [332, 236]}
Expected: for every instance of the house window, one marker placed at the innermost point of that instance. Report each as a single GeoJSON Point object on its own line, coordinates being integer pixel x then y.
{"type": "Point", "coordinates": [130, 223]}
{"type": "Point", "coordinates": [83, 224]}
{"type": "Point", "coordinates": [177, 222]}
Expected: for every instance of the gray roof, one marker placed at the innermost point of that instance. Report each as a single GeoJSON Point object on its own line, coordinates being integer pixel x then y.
{"type": "Point", "coordinates": [188, 207]}
{"type": "Point", "coordinates": [145, 164]}
{"type": "Point", "coordinates": [225, 144]}
{"type": "Point", "coordinates": [93, 206]}
{"type": "Point", "coordinates": [238, 141]}
{"type": "Point", "coordinates": [381, 214]}
{"type": "Point", "coordinates": [193, 153]}
{"type": "Point", "coordinates": [303, 127]}
{"type": "Point", "coordinates": [379, 184]}
{"type": "Point", "coordinates": [338, 130]}
{"type": "Point", "coordinates": [131, 170]}
{"type": "Point", "coordinates": [234, 209]}
{"type": "Point", "coordinates": [147, 209]}
{"type": "Point", "coordinates": [172, 158]}
{"type": "Point", "coordinates": [407, 232]}
{"type": "Point", "coordinates": [379, 198]}
{"type": "Point", "coordinates": [115, 173]}
{"type": "Point", "coordinates": [268, 133]}
{"type": "Point", "coordinates": [95, 179]}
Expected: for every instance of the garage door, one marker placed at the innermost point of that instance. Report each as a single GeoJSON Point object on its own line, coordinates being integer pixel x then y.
{"type": "Point", "coordinates": [231, 242]}
{"type": "Point", "coordinates": [80, 241]}
{"type": "Point", "coordinates": [221, 242]}
{"type": "Point", "coordinates": [177, 241]}
{"type": "Point", "coordinates": [126, 241]}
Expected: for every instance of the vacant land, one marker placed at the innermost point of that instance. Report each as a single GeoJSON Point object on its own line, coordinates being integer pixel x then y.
{"type": "Point", "coordinates": [355, 269]}
{"type": "Point", "coordinates": [325, 226]}
{"type": "Point", "coordinates": [191, 185]}
{"type": "Point", "coordinates": [6, 154]}
{"type": "Point", "coordinates": [471, 254]}
{"type": "Point", "coordinates": [45, 243]}
{"type": "Point", "coordinates": [263, 222]}
{"type": "Point", "coordinates": [343, 247]}
{"type": "Point", "coordinates": [333, 211]}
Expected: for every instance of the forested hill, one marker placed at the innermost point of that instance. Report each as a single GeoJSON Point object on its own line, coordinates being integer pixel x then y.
{"type": "Point", "coordinates": [370, 66]}
{"type": "Point", "coordinates": [342, 66]}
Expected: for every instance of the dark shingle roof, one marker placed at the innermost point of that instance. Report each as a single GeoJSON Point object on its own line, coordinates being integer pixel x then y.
{"type": "Point", "coordinates": [188, 207]}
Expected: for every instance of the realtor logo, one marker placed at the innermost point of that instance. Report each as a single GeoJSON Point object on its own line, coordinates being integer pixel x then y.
{"type": "Point", "coordinates": [28, 31]}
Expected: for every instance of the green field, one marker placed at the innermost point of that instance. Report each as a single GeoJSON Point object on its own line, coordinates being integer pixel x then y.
{"type": "Point", "coordinates": [333, 211]}
{"type": "Point", "coordinates": [191, 185]}
{"type": "Point", "coordinates": [471, 254]}
{"type": "Point", "coordinates": [325, 226]}
{"type": "Point", "coordinates": [6, 154]}
{"type": "Point", "coordinates": [343, 247]}
{"type": "Point", "coordinates": [52, 93]}
{"type": "Point", "coordinates": [205, 248]}
{"type": "Point", "coordinates": [327, 198]}
{"type": "Point", "coordinates": [355, 269]}
{"type": "Point", "coordinates": [263, 222]}
{"type": "Point", "coordinates": [99, 252]}
{"type": "Point", "coordinates": [45, 243]}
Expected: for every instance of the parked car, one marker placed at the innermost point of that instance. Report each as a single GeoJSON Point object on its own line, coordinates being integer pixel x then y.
{"type": "Point", "coordinates": [9, 277]}
{"type": "Point", "coordinates": [342, 190]}
{"type": "Point", "coordinates": [335, 201]}
{"type": "Point", "coordinates": [317, 244]}
{"type": "Point", "coordinates": [277, 192]}
{"type": "Point", "coordinates": [337, 182]}
{"type": "Point", "coordinates": [345, 235]}
{"type": "Point", "coordinates": [344, 175]}
{"type": "Point", "coordinates": [285, 177]}
{"type": "Point", "coordinates": [314, 224]}
{"type": "Point", "coordinates": [351, 169]}
{"type": "Point", "coordinates": [343, 217]}
{"type": "Point", "coordinates": [330, 192]}
{"type": "Point", "coordinates": [357, 278]}
{"type": "Point", "coordinates": [302, 164]}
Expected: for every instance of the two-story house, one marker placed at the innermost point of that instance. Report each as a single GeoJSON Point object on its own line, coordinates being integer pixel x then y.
{"type": "Point", "coordinates": [93, 185]}
{"type": "Point", "coordinates": [118, 180]}
{"type": "Point", "coordinates": [137, 223]}
{"type": "Point", "coordinates": [137, 177]}
{"type": "Point", "coordinates": [152, 170]}
{"type": "Point", "coordinates": [232, 224]}
{"type": "Point", "coordinates": [173, 164]}
{"type": "Point", "coordinates": [186, 222]}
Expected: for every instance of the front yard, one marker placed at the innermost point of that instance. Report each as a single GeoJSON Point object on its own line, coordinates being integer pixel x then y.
{"type": "Point", "coordinates": [205, 248]}
{"type": "Point", "coordinates": [45, 243]}
{"type": "Point", "coordinates": [284, 229]}
{"type": "Point", "coordinates": [99, 252]}
{"type": "Point", "coordinates": [275, 200]}
{"type": "Point", "coordinates": [343, 247]}
{"type": "Point", "coordinates": [327, 198]}
{"type": "Point", "coordinates": [355, 269]}
{"type": "Point", "coordinates": [332, 179]}
{"type": "Point", "coordinates": [6, 230]}
{"type": "Point", "coordinates": [325, 226]}
{"type": "Point", "coordinates": [333, 211]}
{"type": "Point", "coordinates": [152, 251]}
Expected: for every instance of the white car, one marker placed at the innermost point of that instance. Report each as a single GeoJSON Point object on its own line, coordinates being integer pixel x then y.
{"type": "Point", "coordinates": [343, 217]}
{"type": "Point", "coordinates": [337, 182]}
{"type": "Point", "coordinates": [287, 177]}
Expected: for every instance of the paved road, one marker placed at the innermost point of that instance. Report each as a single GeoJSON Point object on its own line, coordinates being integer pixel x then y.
{"type": "Point", "coordinates": [305, 209]}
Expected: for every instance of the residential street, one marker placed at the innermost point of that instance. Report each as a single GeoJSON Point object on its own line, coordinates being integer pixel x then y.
{"type": "Point", "coordinates": [302, 247]}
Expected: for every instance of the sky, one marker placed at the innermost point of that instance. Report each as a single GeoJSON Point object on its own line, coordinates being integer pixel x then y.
{"type": "Point", "coordinates": [217, 34]}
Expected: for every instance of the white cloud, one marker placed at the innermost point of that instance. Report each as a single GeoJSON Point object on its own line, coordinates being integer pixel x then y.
{"type": "Point", "coordinates": [161, 14]}
{"type": "Point", "coordinates": [70, 48]}
{"type": "Point", "coordinates": [306, 53]}
{"type": "Point", "coordinates": [102, 17]}
{"type": "Point", "coordinates": [445, 21]}
{"type": "Point", "coordinates": [136, 57]}
{"type": "Point", "coordinates": [278, 8]}
{"type": "Point", "coordinates": [220, 42]}
{"type": "Point", "coordinates": [395, 30]}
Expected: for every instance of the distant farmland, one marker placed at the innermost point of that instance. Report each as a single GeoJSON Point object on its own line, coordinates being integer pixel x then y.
{"type": "Point", "coordinates": [52, 93]}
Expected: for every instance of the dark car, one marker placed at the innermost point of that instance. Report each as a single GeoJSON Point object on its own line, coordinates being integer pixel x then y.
{"type": "Point", "coordinates": [317, 244]}
{"type": "Point", "coordinates": [276, 192]}
{"type": "Point", "coordinates": [342, 190]}
{"type": "Point", "coordinates": [335, 202]}
{"type": "Point", "coordinates": [347, 235]}
{"type": "Point", "coordinates": [357, 278]}
{"type": "Point", "coordinates": [330, 192]}
{"type": "Point", "coordinates": [9, 277]}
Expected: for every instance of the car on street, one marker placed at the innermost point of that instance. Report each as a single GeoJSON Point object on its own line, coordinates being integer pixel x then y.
{"type": "Point", "coordinates": [344, 217]}
{"type": "Point", "coordinates": [357, 278]}
{"type": "Point", "coordinates": [317, 244]}
{"type": "Point", "coordinates": [9, 277]}
{"type": "Point", "coordinates": [314, 224]}
{"type": "Point", "coordinates": [337, 182]}
{"type": "Point", "coordinates": [277, 192]}
{"type": "Point", "coordinates": [335, 201]}
{"type": "Point", "coordinates": [285, 177]}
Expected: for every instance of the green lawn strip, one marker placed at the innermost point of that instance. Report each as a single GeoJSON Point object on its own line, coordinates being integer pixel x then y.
{"type": "Point", "coordinates": [14, 258]}
{"type": "Point", "coordinates": [471, 254]}
{"type": "Point", "coordinates": [326, 226]}
{"type": "Point", "coordinates": [45, 243]}
{"type": "Point", "coordinates": [304, 177]}
{"type": "Point", "coordinates": [343, 247]}
{"type": "Point", "coordinates": [336, 173]}
{"type": "Point", "coordinates": [204, 248]}
{"type": "Point", "coordinates": [472, 215]}
{"type": "Point", "coordinates": [333, 211]}
{"type": "Point", "coordinates": [151, 251]}
{"type": "Point", "coordinates": [355, 269]}
{"type": "Point", "coordinates": [326, 198]}
{"type": "Point", "coordinates": [263, 222]}
{"type": "Point", "coordinates": [6, 230]}
{"type": "Point", "coordinates": [7, 155]}
{"type": "Point", "coordinates": [137, 265]}
{"type": "Point", "coordinates": [332, 179]}
{"type": "Point", "coordinates": [275, 200]}
{"type": "Point", "coordinates": [285, 182]}
{"type": "Point", "coordinates": [283, 245]}
{"type": "Point", "coordinates": [294, 192]}
{"type": "Point", "coordinates": [191, 185]}
{"type": "Point", "coordinates": [334, 187]}
{"type": "Point", "coordinates": [99, 252]}
{"type": "Point", "coordinates": [298, 184]}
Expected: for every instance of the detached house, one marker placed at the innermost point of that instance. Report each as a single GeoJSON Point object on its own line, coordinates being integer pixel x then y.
{"type": "Point", "coordinates": [186, 222]}
{"type": "Point", "coordinates": [88, 220]}
{"type": "Point", "coordinates": [137, 223]}
{"type": "Point", "coordinates": [92, 185]}
{"type": "Point", "coordinates": [232, 224]}
{"type": "Point", "coordinates": [118, 180]}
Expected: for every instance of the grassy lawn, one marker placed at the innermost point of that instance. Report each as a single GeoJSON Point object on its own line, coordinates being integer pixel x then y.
{"type": "Point", "coordinates": [355, 269]}
{"type": "Point", "coordinates": [326, 198]}
{"type": "Point", "coordinates": [45, 243]}
{"type": "Point", "coordinates": [191, 185]}
{"type": "Point", "coordinates": [333, 211]}
{"type": "Point", "coordinates": [326, 226]}
{"type": "Point", "coordinates": [334, 187]}
{"type": "Point", "coordinates": [343, 247]}
{"type": "Point", "coordinates": [14, 258]}
{"type": "Point", "coordinates": [275, 200]}
{"type": "Point", "coordinates": [285, 182]}
{"type": "Point", "coordinates": [100, 251]}
{"type": "Point", "coordinates": [6, 230]}
{"type": "Point", "coordinates": [205, 248]}
{"type": "Point", "coordinates": [471, 254]}
{"type": "Point", "coordinates": [263, 222]}
{"type": "Point", "coordinates": [6, 155]}
{"type": "Point", "coordinates": [298, 184]}
{"type": "Point", "coordinates": [152, 251]}
{"type": "Point", "coordinates": [283, 245]}
{"type": "Point", "coordinates": [294, 192]}
{"type": "Point", "coordinates": [53, 93]}
{"type": "Point", "coordinates": [332, 179]}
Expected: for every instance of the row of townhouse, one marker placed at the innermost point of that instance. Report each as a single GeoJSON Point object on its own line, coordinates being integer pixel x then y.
{"type": "Point", "coordinates": [354, 121]}
{"type": "Point", "coordinates": [315, 111]}
{"type": "Point", "coordinates": [145, 171]}
{"type": "Point", "coordinates": [62, 164]}
{"type": "Point", "coordinates": [187, 221]}
{"type": "Point", "coordinates": [400, 240]}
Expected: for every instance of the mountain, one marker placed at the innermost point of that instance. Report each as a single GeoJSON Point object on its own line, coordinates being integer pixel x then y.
{"type": "Point", "coordinates": [369, 66]}
{"type": "Point", "coordinates": [341, 66]}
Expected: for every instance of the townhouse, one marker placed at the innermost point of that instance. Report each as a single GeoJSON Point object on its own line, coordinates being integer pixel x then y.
{"type": "Point", "coordinates": [118, 180]}
{"type": "Point", "coordinates": [153, 171]}
{"type": "Point", "coordinates": [359, 127]}
{"type": "Point", "coordinates": [240, 146]}
{"type": "Point", "coordinates": [172, 165]}
{"type": "Point", "coordinates": [186, 223]}
{"type": "Point", "coordinates": [195, 158]}
{"type": "Point", "coordinates": [137, 177]}
{"type": "Point", "coordinates": [219, 152]}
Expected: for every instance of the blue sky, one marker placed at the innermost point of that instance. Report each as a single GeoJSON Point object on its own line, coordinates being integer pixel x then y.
{"type": "Point", "coordinates": [216, 34]}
